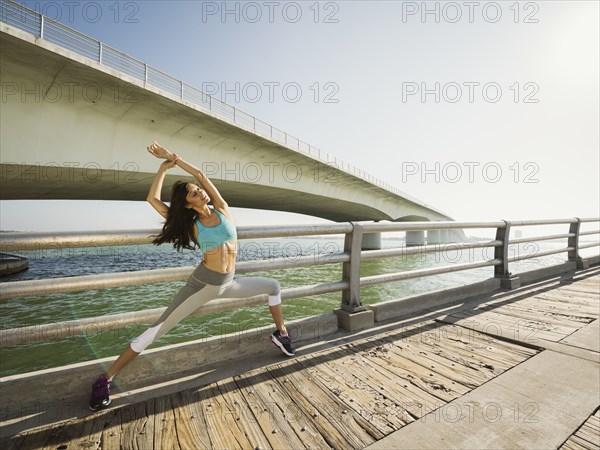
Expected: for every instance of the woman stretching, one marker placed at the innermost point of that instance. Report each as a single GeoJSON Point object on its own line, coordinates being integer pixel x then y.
{"type": "Point", "coordinates": [190, 221]}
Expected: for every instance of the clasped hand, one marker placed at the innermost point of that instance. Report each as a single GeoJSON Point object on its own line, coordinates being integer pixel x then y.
{"type": "Point", "coordinates": [160, 152]}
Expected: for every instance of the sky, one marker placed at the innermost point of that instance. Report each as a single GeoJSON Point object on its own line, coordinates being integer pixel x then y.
{"type": "Point", "coordinates": [485, 110]}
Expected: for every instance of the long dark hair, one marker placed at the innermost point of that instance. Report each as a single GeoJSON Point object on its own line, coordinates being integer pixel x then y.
{"type": "Point", "coordinates": [179, 226]}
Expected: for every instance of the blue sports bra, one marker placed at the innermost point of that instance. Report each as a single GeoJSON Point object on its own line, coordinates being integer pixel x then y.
{"type": "Point", "coordinates": [212, 237]}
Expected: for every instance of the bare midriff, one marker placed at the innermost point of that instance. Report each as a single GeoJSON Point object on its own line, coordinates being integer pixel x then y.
{"type": "Point", "coordinates": [222, 258]}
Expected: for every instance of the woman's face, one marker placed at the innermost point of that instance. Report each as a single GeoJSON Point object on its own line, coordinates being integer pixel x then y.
{"type": "Point", "coordinates": [196, 196]}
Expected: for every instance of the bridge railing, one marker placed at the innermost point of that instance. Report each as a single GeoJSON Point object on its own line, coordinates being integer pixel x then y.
{"type": "Point", "coordinates": [43, 27]}
{"type": "Point", "coordinates": [349, 284]}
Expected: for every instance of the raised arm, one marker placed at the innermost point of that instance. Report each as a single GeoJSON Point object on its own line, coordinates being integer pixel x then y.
{"type": "Point", "coordinates": [156, 187]}
{"type": "Point", "coordinates": [161, 152]}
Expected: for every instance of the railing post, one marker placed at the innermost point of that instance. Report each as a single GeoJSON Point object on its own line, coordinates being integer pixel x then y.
{"type": "Point", "coordinates": [507, 280]}
{"type": "Point", "coordinates": [573, 241]}
{"type": "Point", "coordinates": [100, 52]}
{"type": "Point", "coordinates": [41, 26]}
{"type": "Point", "coordinates": [352, 315]}
{"type": "Point", "coordinates": [351, 270]}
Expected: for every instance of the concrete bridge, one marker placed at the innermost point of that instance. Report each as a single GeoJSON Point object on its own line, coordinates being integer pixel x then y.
{"type": "Point", "coordinates": [77, 116]}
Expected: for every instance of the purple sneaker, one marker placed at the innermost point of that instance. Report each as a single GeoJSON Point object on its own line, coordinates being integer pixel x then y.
{"type": "Point", "coordinates": [283, 342]}
{"type": "Point", "coordinates": [100, 393]}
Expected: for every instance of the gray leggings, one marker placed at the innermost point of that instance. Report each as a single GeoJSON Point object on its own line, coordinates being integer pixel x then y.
{"type": "Point", "coordinates": [202, 286]}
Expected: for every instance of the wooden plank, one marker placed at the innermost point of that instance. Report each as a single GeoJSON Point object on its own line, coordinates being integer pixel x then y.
{"type": "Point", "coordinates": [12, 442]}
{"type": "Point", "coordinates": [554, 309]}
{"type": "Point", "coordinates": [189, 424]}
{"type": "Point", "coordinates": [417, 402]}
{"type": "Point", "coordinates": [526, 324]}
{"type": "Point", "coordinates": [570, 444]}
{"type": "Point", "coordinates": [566, 305]}
{"type": "Point", "coordinates": [270, 418]}
{"type": "Point", "coordinates": [359, 390]}
{"type": "Point", "coordinates": [594, 422]}
{"type": "Point", "coordinates": [64, 435]}
{"type": "Point", "coordinates": [91, 436]}
{"type": "Point", "coordinates": [532, 314]}
{"type": "Point", "coordinates": [274, 393]}
{"type": "Point", "coordinates": [165, 433]}
{"type": "Point", "coordinates": [592, 282]}
{"type": "Point", "coordinates": [588, 435]}
{"type": "Point", "coordinates": [584, 286]}
{"type": "Point", "coordinates": [506, 328]}
{"type": "Point", "coordinates": [338, 387]}
{"type": "Point", "coordinates": [473, 354]}
{"type": "Point", "coordinates": [465, 334]}
{"type": "Point", "coordinates": [137, 425]}
{"type": "Point", "coordinates": [558, 296]}
{"type": "Point", "coordinates": [592, 426]}
{"type": "Point", "coordinates": [488, 347]}
{"type": "Point", "coordinates": [580, 291]}
{"type": "Point", "coordinates": [204, 399]}
{"type": "Point", "coordinates": [245, 419]}
{"type": "Point", "coordinates": [342, 427]}
{"type": "Point", "coordinates": [498, 347]}
{"type": "Point", "coordinates": [583, 443]}
{"type": "Point", "coordinates": [194, 427]}
{"type": "Point", "coordinates": [34, 439]}
{"type": "Point", "coordinates": [522, 310]}
{"type": "Point", "coordinates": [423, 377]}
{"type": "Point", "coordinates": [111, 433]}
{"type": "Point", "coordinates": [587, 305]}
{"type": "Point", "coordinates": [550, 302]}
{"type": "Point", "coordinates": [440, 364]}
{"type": "Point", "coordinates": [229, 420]}
{"type": "Point", "coordinates": [478, 349]}
{"type": "Point", "coordinates": [447, 357]}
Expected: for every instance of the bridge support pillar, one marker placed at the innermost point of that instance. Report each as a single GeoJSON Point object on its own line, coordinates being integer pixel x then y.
{"type": "Point", "coordinates": [445, 237]}
{"type": "Point", "coordinates": [433, 237]}
{"type": "Point", "coordinates": [415, 238]}
{"type": "Point", "coordinates": [371, 241]}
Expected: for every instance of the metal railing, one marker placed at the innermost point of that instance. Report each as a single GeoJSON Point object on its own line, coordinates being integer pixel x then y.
{"type": "Point", "coordinates": [350, 258]}
{"type": "Point", "coordinates": [43, 27]}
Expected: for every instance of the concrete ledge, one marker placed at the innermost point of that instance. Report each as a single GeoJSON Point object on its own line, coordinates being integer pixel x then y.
{"type": "Point", "coordinates": [546, 272]}
{"type": "Point", "coordinates": [354, 321]}
{"type": "Point", "coordinates": [63, 393]}
{"type": "Point", "coordinates": [431, 300]}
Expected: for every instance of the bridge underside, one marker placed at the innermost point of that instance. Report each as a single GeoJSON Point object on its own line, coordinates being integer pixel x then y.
{"type": "Point", "coordinates": [26, 183]}
{"type": "Point", "coordinates": [75, 129]}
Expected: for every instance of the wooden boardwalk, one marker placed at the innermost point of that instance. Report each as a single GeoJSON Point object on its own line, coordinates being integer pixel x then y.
{"type": "Point", "coordinates": [353, 395]}
{"type": "Point", "coordinates": [587, 437]}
